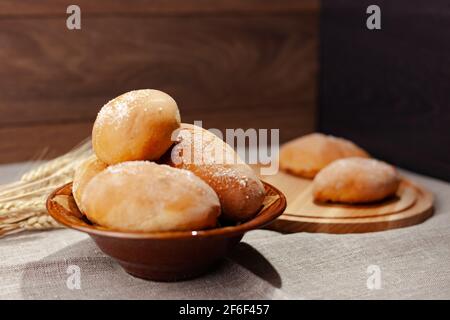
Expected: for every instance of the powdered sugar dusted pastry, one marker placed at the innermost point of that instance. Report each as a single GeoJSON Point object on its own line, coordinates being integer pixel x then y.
{"type": "Point", "coordinates": [240, 191]}
{"type": "Point", "coordinates": [145, 196]}
{"type": "Point", "coordinates": [355, 180]}
{"type": "Point", "coordinates": [307, 155]}
{"type": "Point", "coordinates": [135, 126]}
{"type": "Point", "coordinates": [83, 174]}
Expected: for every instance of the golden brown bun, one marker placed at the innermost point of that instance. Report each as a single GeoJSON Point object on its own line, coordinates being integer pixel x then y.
{"type": "Point", "coordinates": [307, 155]}
{"type": "Point", "coordinates": [144, 196]}
{"type": "Point", "coordinates": [135, 126]}
{"type": "Point", "coordinates": [83, 174]}
{"type": "Point", "coordinates": [355, 180]}
{"type": "Point", "coordinates": [240, 191]}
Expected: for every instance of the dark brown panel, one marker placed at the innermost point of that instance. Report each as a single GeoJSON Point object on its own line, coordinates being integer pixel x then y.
{"type": "Point", "coordinates": [389, 89]}
{"type": "Point", "coordinates": [30, 142]}
{"type": "Point", "coordinates": [156, 7]}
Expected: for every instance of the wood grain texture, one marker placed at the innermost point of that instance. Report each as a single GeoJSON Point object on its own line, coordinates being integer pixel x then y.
{"type": "Point", "coordinates": [206, 64]}
{"type": "Point", "coordinates": [229, 71]}
{"type": "Point", "coordinates": [389, 89]}
{"type": "Point", "coordinates": [157, 7]}
{"type": "Point", "coordinates": [412, 205]}
{"type": "Point", "coordinates": [42, 140]}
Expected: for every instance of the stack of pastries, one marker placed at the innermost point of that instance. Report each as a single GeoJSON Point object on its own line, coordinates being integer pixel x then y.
{"type": "Point", "coordinates": [150, 172]}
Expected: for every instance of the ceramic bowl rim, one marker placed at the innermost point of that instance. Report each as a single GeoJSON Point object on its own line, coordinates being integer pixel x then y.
{"type": "Point", "coordinates": [263, 218]}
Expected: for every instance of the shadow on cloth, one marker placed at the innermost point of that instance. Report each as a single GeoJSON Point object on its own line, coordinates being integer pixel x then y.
{"type": "Point", "coordinates": [245, 274]}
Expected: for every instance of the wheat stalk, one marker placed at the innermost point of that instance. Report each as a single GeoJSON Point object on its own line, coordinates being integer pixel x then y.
{"type": "Point", "coordinates": [56, 165]}
{"type": "Point", "coordinates": [34, 221]}
{"type": "Point", "coordinates": [22, 203]}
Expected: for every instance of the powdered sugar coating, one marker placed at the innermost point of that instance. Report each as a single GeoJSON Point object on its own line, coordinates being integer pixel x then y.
{"type": "Point", "coordinates": [145, 196]}
{"type": "Point", "coordinates": [240, 191]}
{"type": "Point", "coordinates": [355, 180]}
{"type": "Point", "coordinates": [135, 126]}
{"type": "Point", "coordinates": [307, 155]}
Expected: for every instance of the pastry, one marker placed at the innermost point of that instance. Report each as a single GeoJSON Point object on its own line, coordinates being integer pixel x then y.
{"type": "Point", "coordinates": [83, 174]}
{"type": "Point", "coordinates": [142, 196]}
{"type": "Point", "coordinates": [240, 191]}
{"type": "Point", "coordinates": [137, 125]}
{"type": "Point", "coordinates": [355, 180]}
{"type": "Point", "coordinates": [307, 155]}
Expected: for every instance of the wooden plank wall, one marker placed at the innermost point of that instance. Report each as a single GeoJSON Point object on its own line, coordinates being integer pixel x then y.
{"type": "Point", "coordinates": [230, 63]}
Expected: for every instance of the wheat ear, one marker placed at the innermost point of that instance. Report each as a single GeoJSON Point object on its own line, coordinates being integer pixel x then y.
{"type": "Point", "coordinates": [22, 203]}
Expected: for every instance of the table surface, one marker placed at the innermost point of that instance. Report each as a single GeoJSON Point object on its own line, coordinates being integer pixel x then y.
{"type": "Point", "coordinates": [413, 263]}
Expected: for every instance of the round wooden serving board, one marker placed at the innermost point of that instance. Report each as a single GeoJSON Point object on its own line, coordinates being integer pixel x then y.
{"type": "Point", "coordinates": [412, 205]}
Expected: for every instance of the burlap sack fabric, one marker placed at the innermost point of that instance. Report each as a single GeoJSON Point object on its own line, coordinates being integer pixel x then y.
{"type": "Point", "coordinates": [414, 262]}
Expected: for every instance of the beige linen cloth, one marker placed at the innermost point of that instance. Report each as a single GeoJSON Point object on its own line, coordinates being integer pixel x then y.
{"type": "Point", "coordinates": [414, 262]}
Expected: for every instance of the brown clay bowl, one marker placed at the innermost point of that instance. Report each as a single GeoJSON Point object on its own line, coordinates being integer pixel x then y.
{"type": "Point", "coordinates": [164, 256]}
